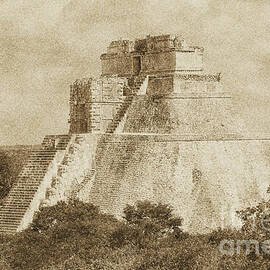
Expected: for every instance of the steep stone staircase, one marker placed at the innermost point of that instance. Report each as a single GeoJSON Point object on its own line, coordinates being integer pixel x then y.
{"type": "Point", "coordinates": [138, 81]}
{"type": "Point", "coordinates": [23, 192]}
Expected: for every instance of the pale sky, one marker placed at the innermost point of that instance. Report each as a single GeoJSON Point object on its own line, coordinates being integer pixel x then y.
{"type": "Point", "coordinates": [47, 44]}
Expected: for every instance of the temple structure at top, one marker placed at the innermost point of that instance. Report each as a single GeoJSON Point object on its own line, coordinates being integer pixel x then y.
{"type": "Point", "coordinates": [157, 66]}
{"type": "Point", "coordinates": [154, 54]}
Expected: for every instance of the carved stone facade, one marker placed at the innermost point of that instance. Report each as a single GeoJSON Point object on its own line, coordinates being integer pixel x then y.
{"type": "Point", "coordinates": [164, 65]}
{"type": "Point", "coordinates": [154, 54]}
{"type": "Point", "coordinates": [95, 102]}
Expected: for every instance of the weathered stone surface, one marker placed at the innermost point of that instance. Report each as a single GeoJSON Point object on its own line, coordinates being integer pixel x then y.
{"type": "Point", "coordinates": [233, 174]}
{"type": "Point", "coordinates": [94, 103]}
{"type": "Point", "coordinates": [205, 180]}
{"type": "Point", "coordinates": [154, 54]}
{"type": "Point", "coordinates": [153, 127]}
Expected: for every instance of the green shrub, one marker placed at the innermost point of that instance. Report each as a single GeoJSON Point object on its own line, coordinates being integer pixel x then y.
{"type": "Point", "coordinates": [60, 232]}
{"type": "Point", "coordinates": [77, 235]}
{"type": "Point", "coordinates": [151, 221]}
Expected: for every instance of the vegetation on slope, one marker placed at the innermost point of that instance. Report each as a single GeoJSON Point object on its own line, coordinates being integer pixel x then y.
{"type": "Point", "coordinates": [77, 235]}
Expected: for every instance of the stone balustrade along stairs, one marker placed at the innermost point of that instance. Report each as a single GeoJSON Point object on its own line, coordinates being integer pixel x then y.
{"type": "Point", "coordinates": [20, 198]}
{"type": "Point", "coordinates": [138, 81]}
{"type": "Point", "coordinates": [88, 177]}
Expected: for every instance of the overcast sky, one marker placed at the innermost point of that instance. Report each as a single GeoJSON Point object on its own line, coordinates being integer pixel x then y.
{"type": "Point", "coordinates": [46, 44]}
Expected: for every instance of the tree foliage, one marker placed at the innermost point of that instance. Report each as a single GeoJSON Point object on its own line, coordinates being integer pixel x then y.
{"type": "Point", "coordinates": [77, 235]}
{"type": "Point", "coordinates": [152, 218]}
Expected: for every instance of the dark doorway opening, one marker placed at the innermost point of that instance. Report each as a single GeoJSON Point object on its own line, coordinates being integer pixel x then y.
{"type": "Point", "coordinates": [83, 118]}
{"type": "Point", "coordinates": [137, 65]}
{"type": "Point", "coordinates": [83, 126]}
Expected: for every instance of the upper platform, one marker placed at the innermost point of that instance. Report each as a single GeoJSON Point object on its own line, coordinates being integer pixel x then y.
{"type": "Point", "coordinates": [152, 55]}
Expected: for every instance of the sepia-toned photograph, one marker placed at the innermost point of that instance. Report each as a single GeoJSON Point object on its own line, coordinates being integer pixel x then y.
{"type": "Point", "coordinates": [135, 135]}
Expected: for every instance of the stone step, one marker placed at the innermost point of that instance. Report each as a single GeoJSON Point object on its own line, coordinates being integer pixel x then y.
{"type": "Point", "coordinates": [44, 163]}
{"type": "Point", "coordinates": [30, 183]}
{"type": "Point", "coordinates": [12, 214]}
{"type": "Point", "coordinates": [59, 137]}
{"type": "Point", "coordinates": [63, 142]}
{"type": "Point", "coordinates": [35, 172]}
{"type": "Point", "coordinates": [8, 216]}
{"type": "Point", "coordinates": [47, 143]}
{"type": "Point", "coordinates": [9, 224]}
{"type": "Point", "coordinates": [61, 145]}
{"type": "Point", "coordinates": [40, 157]}
{"type": "Point", "coordinates": [11, 217]}
{"type": "Point", "coordinates": [24, 188]}
{"type": "Point", "coordinates": [11, 209]}
{"type": "Point", "coordinates": [28, 174]}
{"type": "Point", "coordinates": [38, 161]}
{"type": "Point", "coordinates": [15, 222]}
{"type": "Point", "coordinates": [6, 231]}
{"type": "Point", "coordinates": [43, 152]}
{"type": "Point", "coordinates": [35, 169]}
{"type": "Point", "coordinates": [22, 195]}
{"type": "Point", "coordinates": [23, 180]}
{"type": "Point", "coordinates": [18, 190]}
{"type": "Point", "coordinates": [18, 199]}
{"type": "Point", "coordinates": [39, 167]}
{"type": "Point", "coordinates": [14, 211]}
{"type": "Point", "coordinates": [32, 179]}
{"type": "Point", "coordinates": [22, 192]}
{"type": "Point", "coordinates": [9, 227]}
{"type": "Point", "coordinates": [10, 203]}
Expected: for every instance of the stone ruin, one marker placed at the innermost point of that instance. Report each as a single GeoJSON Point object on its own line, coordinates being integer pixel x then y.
{"type": "Point", "coordinates": [153, 126]}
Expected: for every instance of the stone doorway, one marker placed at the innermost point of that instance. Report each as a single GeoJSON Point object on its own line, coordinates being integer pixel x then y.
{"type": "Point", "coordinates": [83, 126]}
{"type": "Point", "coordinates": [137, 65]}
{"type": "Point", "coordinates": [83, 118]}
